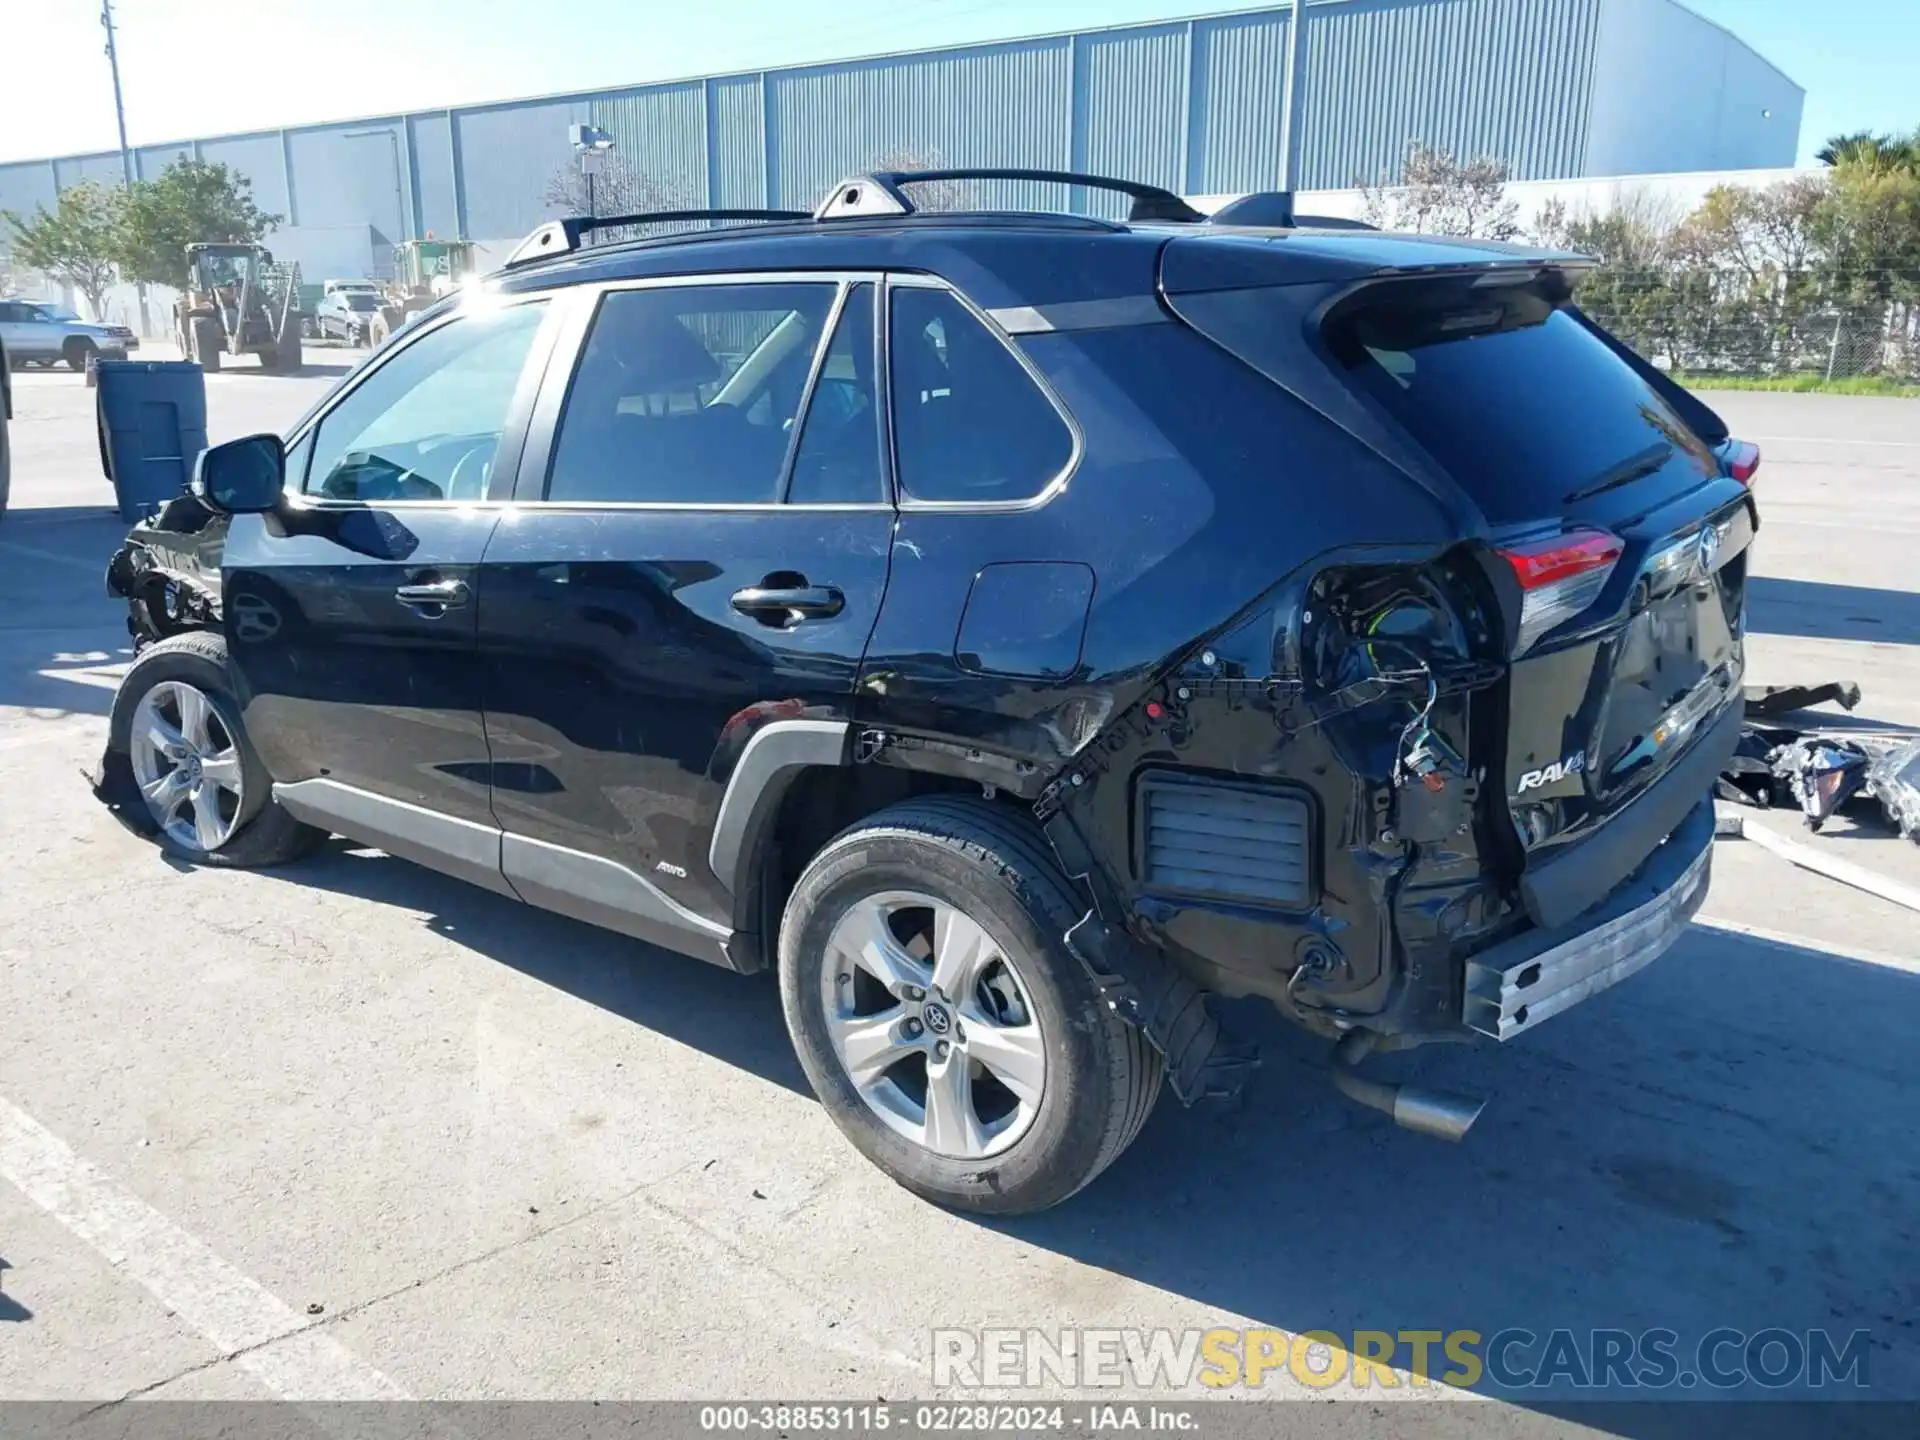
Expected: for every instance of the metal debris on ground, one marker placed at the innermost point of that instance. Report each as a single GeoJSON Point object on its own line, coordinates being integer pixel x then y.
{"type": "Point", "coordinates": [1895, 781]}
{"type": "Point", "coordinates": [1819, 769]}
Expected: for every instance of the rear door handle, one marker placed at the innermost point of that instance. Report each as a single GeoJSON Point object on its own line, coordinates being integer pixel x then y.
{"type": "Point", "coordinates": [789, 605]}
{"type": "Point", "coordinates": [434, 598]}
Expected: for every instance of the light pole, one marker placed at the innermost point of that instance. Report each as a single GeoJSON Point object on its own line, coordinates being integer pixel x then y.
{"type": "Point", "coordinates": [1290, 136]}
{"type": "Point", "coordinates": [592, 145]}
{"type": "Point", "coordinates": [126, 155]}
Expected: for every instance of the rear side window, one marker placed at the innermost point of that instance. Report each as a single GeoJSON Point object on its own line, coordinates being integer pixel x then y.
{"type": "Point", "coordinates": [689, 394]}
{"type": "Point", "coordinates": [970, 424]}
{"type": "Point", "coordinates": [1524, 406]}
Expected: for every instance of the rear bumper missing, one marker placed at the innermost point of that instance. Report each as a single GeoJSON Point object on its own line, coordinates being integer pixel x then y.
{"type": "Point", "coordinates": [1517, 984]}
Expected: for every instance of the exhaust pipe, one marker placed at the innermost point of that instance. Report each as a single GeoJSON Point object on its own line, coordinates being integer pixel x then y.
{"type": "Point", "coordinates": [1431, 1112]}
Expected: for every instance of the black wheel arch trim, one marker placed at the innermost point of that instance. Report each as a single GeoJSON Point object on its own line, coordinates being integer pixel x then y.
{"type": "Point", "coordinates": [772, 759]}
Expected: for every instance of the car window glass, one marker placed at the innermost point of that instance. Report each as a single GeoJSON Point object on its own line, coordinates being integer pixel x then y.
{"type": "Point", "coordinates": [969, 422]}
{"type": "Point", "coordinates": [838, 462]}
{"type": "Point", "coordinates": [688, 394]}
{"type": "Point", "coordinates": [425, 425]}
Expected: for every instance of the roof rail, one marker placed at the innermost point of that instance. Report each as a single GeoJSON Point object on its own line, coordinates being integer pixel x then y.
{"type": "Point", "coordinates": [879, 193]}
{"type": "Point", "coordinates": [562, 236]}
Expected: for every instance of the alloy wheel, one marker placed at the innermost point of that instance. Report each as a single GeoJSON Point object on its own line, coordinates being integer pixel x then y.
{"type": "Point", "coordinates": [933, 1024]}
{"type": "Point", "coordinates": [187, 764]}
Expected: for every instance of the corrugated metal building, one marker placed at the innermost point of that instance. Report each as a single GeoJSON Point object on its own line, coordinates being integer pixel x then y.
{"type": "Point", "coordinates": [1558, 88]}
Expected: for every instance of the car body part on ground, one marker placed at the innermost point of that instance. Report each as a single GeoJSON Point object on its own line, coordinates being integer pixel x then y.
{"type": "Point", "coordinates": [1894, 778]}
{"type": "Point", "coordinates": [726, 587]}
{"type": "Point", "coordinates": [239, 301]}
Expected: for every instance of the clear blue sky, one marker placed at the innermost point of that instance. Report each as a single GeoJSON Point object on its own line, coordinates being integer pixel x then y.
{"type": "Point", "coordinates": [325, 59]}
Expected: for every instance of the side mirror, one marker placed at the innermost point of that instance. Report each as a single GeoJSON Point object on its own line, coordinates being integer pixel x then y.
{"type": "Point", "coordinates": [242, 477]}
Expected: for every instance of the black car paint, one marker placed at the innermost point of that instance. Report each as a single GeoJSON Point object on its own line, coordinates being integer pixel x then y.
{"type": "Point", "coordinates": [602, 687]}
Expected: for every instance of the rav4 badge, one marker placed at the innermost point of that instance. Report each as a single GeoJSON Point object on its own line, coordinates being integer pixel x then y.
{"type": "Point", "coordinates": [1574, 764]}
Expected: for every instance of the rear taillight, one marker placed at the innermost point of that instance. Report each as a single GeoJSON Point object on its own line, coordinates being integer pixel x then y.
{"type": "Point", "coordinates": [1741, 459]}
{"type": "Point", "coordinates": [1559, 577]}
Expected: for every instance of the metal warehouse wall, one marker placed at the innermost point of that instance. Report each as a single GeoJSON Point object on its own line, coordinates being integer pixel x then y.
{"type": "Point", "coordinates": [1559, 88]}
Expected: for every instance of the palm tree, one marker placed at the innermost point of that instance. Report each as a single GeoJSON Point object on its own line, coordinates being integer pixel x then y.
{"type": "Point", "coordinates": [1880, 154]}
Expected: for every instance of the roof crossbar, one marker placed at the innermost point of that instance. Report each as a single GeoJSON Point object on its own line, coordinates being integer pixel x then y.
{"type": "Point", "coordinates": [880, 192]}
{"type": "Point", "coordinates": [563, 236]}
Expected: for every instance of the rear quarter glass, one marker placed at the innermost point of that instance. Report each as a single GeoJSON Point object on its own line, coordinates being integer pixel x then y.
{"type": "Point", "coordinates": [1529, 411]}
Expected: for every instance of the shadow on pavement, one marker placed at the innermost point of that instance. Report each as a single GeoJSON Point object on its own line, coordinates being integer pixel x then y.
{"type": "Point", "coordinates": [1833, 612]}
{"type": "Point", "coordinates": [1724, 1141]}
{"type": "Point", "coordinates": [59, 629]}
{"type": "Point", "coordinates": [732, 1017]}
{"type": "Point", "coordinates": [11, 1309]}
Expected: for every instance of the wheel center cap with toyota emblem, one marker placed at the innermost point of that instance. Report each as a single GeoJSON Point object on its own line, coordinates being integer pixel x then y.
{"type": "Point", "coordinates": [934, 1016]}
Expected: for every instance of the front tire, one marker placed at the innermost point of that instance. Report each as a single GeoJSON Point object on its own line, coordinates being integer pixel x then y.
{"type": "Point", "coordinates": [941, 1019]}
{"type": "Point", "coordinates": [203, 790]}
{"type": "Point", "coordinates": [204, 331]}
{"type": "Point", "coordinates": [75, 353]}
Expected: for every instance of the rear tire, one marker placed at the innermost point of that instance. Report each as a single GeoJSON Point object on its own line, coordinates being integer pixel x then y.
{"type": "Point", "coordinates": [1097, 1076]}
{"type": "Point", "coordinates": [251, 827]}
{"type": "Point", "coordinates": [204, 332]}
{"type": "Point", "coordinates": [75, 353]}
{"type": "Point", "coordinates": [287, 352]}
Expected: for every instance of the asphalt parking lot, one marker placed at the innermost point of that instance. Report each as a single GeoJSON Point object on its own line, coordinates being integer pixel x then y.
{"type": "Point", "coordinates": [350, 1129]}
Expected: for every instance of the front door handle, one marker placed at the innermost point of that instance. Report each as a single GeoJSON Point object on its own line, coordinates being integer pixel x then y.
{"type": "Point", "coordinates": [434, 598]}
{"type": "Point", "coordinates": [789, 605]}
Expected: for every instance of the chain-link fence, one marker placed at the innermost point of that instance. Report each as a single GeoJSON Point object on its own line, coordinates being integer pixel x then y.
{"type": "Point", "coordinates": [1716, 324]}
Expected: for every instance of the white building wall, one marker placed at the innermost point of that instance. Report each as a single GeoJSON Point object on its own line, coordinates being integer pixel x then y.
{"type": "Point", "coordinates": [1674, 92]}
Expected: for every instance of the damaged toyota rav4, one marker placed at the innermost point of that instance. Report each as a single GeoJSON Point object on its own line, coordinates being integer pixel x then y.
{"type": "Point", "coordinates": [1012, 628]}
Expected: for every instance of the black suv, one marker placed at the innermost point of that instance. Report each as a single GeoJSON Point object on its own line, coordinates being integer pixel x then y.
{"type": "Point", "coordinates": [1012, 627]}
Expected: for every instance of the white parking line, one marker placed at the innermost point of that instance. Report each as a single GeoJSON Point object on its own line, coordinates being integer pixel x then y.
{"type": "Point", "coordinates": [234, 1313]}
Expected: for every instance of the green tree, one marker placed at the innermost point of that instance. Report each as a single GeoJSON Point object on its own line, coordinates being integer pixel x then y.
{"type": "Point", "coordinates": [191, 203]}
{"type": "Point", "coordinates": [1865, 150]}
{"type": "Point", "coordinates": [76, 242]}
{"type": "Point", "coordinates": [1756, 259]}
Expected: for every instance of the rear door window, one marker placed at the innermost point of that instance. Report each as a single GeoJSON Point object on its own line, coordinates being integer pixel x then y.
{"type": "Point", "coordinates": [839, 459]}
{"type": "Point", "coordinates": [1527, 409]}
{"type": "Point", "coordinates": [689, 394]}
{"type": "Point", "coordinates": [970, 424]}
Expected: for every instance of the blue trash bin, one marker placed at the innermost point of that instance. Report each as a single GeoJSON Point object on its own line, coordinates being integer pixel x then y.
{"type": "Point", "coordinates": [152, 417]}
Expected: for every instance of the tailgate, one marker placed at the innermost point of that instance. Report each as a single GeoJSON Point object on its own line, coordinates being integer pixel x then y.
{"type": "Point", "coordinates": [1617, 547]}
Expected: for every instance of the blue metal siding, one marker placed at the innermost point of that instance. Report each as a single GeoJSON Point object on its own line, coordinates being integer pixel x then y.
{"type": "Point", "coordinates": [432, 138]}
{"type": "Point", "coordinates": [258, 157]}
{"type": "Point", "coordinates": [660, 133]}
{"type": "Point", "coordinates": [150, 162]}
{"type": "Point", "coordinates": [1132, 86]}
{"type": "Point", "coordinates": [1238, 103]}
{"type": "Point", "coordinates": [987, 105]}
{"type": "Point", "coordinates": [25, 186]}
{"type": "Point", "coordinates": [509, 154]}
{"type": "Point", "coordinates": [736, 154]}
{"type": "Point", "coordinates": [346, 175]}
{"type": "Point", "coordinates": [1479, 77]}
{"type": "Point", "coordinates": [100, 169]}
{"type": "Point", "coordinates": [1192, 104]}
